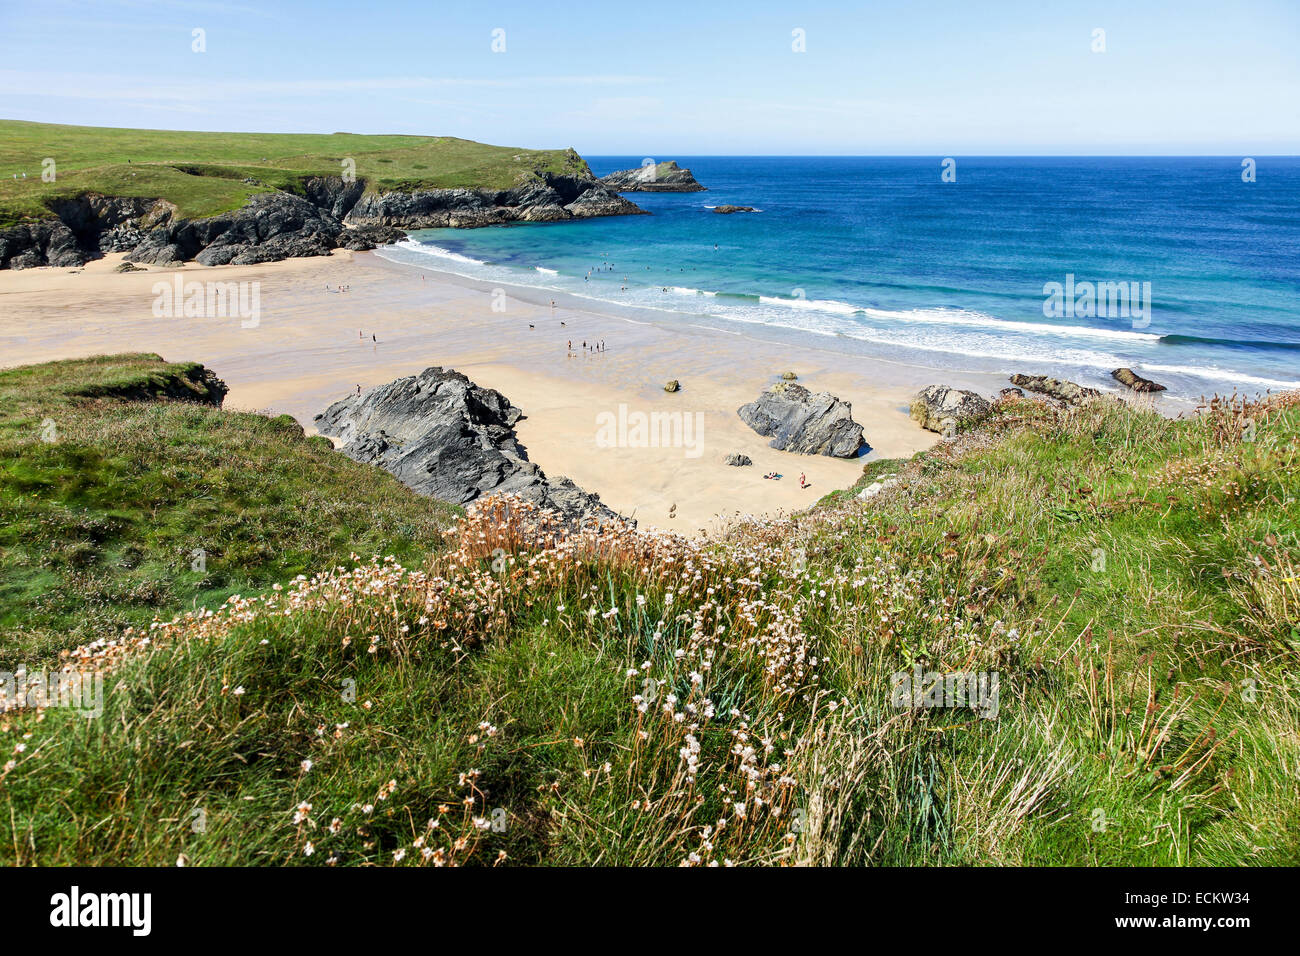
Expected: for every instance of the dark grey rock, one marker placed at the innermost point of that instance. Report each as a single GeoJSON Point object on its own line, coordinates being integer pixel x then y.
{"type": "Point", "coordinates": [728, 210]}
{"type": "Point", "coordinates": [802, 422]}
{"type": "Point", "coordinates": [1126, 376]}
{"type": "Point", "coordinates": [737, 459]}
{"type": "Point", "coordinates": [445, 437]}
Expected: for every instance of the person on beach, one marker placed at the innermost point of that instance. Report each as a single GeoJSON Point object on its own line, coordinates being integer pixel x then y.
{"type": "Point", "coordinates": [358, 389]}
{"type": "Point", "coordinates": [803, 482]}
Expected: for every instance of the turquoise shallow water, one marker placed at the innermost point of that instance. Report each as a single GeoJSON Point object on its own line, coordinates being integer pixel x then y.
{"type": "Point", "coordinates": [880, 256]}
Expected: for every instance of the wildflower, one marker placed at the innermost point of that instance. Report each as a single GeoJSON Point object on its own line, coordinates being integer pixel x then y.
{"type": "Point", "coordinates": [308, 849]}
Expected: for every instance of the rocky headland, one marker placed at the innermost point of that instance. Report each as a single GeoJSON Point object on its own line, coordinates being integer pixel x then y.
{"type": "Point", "coordinates": [330, 213]}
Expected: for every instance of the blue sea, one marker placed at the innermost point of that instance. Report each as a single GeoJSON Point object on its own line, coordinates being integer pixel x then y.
{"type": "Point", "coordinates": [880, 256]}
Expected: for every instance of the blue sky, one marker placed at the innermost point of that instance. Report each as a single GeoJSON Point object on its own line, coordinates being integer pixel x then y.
{"type": "Point", "coordinates": [924, 77]}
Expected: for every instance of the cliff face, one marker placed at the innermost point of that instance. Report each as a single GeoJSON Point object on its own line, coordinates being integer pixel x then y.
{"type": "Point", "coordinates": [329, 214]}
{"type": "Point", "coordinates": [665, 177]}
{"type": "Point", "coordinates": [549, 199]}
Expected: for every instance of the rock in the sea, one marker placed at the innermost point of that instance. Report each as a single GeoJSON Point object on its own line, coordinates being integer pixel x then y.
{"type": "Point", "coordinates": [672, 385]}
{"type": "Point", "coordinates": [728, 210]}
{"type": "Point", "coordinates": [445, 437]}
{"type": "Point", "coordinates": [939, 408]}
{"type": "Point", "coordinates": [1069, 392]}
{"type": "Point", "coordinates": [737, 459]}
{"type": "Point", "coordinates": [665, 177]}
{"type": "Point", "coordinates": [802, 422]}
{"type": "Point", "coordinates": [1126, 376]}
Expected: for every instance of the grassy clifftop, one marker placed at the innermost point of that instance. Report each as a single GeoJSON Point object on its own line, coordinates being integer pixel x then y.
{"type": "Point", "coordinates": [203, 174]}
{"type": "Point", "coordinates": [115, 471]}
{"type": "Point", "coordinates": [523, 697]}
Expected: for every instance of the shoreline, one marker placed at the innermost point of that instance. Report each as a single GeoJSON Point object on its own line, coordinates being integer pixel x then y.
{"type": "Point", "coordinates": [313, 346]}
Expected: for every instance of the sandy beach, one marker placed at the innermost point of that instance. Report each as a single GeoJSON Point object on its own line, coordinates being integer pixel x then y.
{"type": "Point", "coordinates": [313, 344]}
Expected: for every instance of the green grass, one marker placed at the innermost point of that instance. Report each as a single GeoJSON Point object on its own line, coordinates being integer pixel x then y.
{"type": "Point", "coordinates": [203, 174]}
{"type": "Point", "coordinates": [98, 527]}
{"type": "Point", "coordinates": [1133, 581]}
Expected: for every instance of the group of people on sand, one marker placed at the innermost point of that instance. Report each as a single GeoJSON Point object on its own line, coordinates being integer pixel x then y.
{"type": "Point", "coordinates": [342, 288]}
{"type": "Point", "coordinates": [776, 476]}
{"type": "Point", "coordinates": [592, 347]}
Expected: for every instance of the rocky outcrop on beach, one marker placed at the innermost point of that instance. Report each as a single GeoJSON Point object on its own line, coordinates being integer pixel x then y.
{"type": "Point", "coordinates": [803, 422]}
{"type": "Point", "coordinates": [329, 213]}
{"type": "Point", "coordinates": [728, 210]}
{"type": "Point", "coordinates": [737, 460]}
{"type": "Point", "coordinates": [939, 408]}
{"type": "Point", "coordinates": [272, 226]}
{"type": "Point", "coordinates": [1069, 392]}
{"type": "Point", "coordinates": [445, 437]}
{"type": "Point", "coordinates": [665, 177]}
{"type": "Point", "coordinates": [1126, 376]}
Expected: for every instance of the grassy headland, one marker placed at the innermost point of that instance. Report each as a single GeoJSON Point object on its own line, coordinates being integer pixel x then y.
{"type": "Point", "coordinates": [115, 471]}
{"type": "Point", "coordinates": [528, 697]}
{"type": "Point", "coordinates": [204, 174]}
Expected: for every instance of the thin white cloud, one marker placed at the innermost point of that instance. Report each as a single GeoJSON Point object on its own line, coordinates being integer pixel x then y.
{"type": "Point", "coordinates": [90, 86]}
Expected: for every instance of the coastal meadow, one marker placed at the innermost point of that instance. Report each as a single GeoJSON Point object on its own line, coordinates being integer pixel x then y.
{"type": "Point", "coordinates": [528, 694]}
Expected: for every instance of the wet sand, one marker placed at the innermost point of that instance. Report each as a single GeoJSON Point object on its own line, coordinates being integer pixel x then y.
{"type": "Point", "coordinates": [313, 345]}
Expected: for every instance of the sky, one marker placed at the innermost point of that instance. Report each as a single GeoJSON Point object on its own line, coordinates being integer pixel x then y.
{"type": "Point", "coordinates": [893, 77]}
